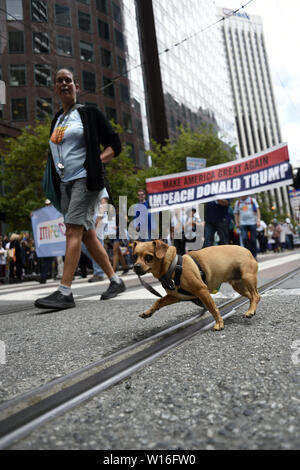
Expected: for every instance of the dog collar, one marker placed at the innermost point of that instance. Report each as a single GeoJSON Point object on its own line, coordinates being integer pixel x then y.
{"type": "Point", "coordinates": [166, 281]}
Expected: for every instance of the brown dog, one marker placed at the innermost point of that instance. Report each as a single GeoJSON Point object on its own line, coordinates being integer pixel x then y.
{"type": "Point", "coordinates": [224, 263]}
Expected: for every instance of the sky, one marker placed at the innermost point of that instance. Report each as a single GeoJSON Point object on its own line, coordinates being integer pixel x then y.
{"type": "Point", "coordinates": [282, 37]}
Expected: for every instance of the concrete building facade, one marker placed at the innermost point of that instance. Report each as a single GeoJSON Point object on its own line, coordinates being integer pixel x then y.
{"type": "Point", "coordinates": [256, 114]}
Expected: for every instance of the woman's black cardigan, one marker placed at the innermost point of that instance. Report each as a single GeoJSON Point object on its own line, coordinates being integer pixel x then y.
{"type": "Point", "coordinates": [97, 131]}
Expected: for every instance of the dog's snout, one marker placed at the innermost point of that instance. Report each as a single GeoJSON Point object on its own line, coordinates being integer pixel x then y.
{"type": "Point", "coordinates": [137, 268]}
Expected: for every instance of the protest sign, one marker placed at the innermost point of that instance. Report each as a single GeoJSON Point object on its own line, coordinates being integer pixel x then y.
{"type": "Point", "coordinates": [49, 232]}
{"type": "Point", "coordinates": [260, 172]}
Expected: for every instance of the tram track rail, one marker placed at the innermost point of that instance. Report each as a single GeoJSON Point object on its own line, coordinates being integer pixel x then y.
{"type": "Point", "coordinates": [26, 412]}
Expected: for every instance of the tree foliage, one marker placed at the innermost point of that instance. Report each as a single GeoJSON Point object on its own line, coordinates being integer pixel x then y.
{"type": "Point", "coordinates": [125, 179]}
{"type": "Point", "coordinates": [25, 158]}
{"type": "Point", "coordinates": [22, 172]}
{"type": "Point", "coordinates": [203, 144]}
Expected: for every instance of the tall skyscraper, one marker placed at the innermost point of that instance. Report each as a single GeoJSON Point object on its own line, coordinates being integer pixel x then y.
{"type": "Point", "coordinates": [256, 114]}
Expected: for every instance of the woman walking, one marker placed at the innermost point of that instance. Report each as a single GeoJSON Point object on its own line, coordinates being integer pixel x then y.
{"type": "Point", "coordinates": [78, 177]}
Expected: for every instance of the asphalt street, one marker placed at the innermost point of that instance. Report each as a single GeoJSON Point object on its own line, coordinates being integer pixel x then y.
{"type": "Point", "coordinates": [235, 389]}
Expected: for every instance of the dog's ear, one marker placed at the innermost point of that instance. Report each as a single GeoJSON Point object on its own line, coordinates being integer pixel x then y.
{"type": "Point", "coordinates": [134, 245]}
{"type": "Point", "coordinates": [160, 248]}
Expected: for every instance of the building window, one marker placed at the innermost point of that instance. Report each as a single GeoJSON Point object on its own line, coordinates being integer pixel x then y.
{"type": "Point", "coordinates": [140, 131]}
{"type": "Point", "coordinates": [17, 75]}
{"type": "Point", "coordinates": [89, 81]}
{"type": "Point", "coordinates": [14, 10]}
{"type": "Point", "coordinates": [122, 68]}
{"type": "Point", "coordinates": [87, 2]}
{"type": "Point", "coordinates": [119, 38]}
{"type": "Point", "coordinates": [41, 43]}
{"type": "Point", "coordinates": [127, 123]}
{"type": "Point", "coordinates": [125, 98]}
{"type": "Point", "coordinates": [101, 5]}
{"type": "Point", "coordinates": [16, 41]}
{"type": "Point", "coordinates": [86, 51]}
{"type": "Point", "coordinates": [116, 13]}
{"type": "Point", "coordinates": [19, 109]}
{"type": "Point", "coordinates": [42, 75]}
{"type": "Point", "coordinates": [43, 108]}
{"type": "Point", "coordinates": [108, 88]}
{"type": "Point", "coordinates": [106, 58]}
{"type": "Point", "coordinates": [103, 29]}
{"type": "Point", "coordinates": [39, 11]}
{"type": "Point", "coordinates": [84, 21]}
{"type": "Point", "coordinates": [62, 15]}
{"type": "Point", "coordinates": [64, 45]}
{"type": "Point", "coordinates": [111, 114]}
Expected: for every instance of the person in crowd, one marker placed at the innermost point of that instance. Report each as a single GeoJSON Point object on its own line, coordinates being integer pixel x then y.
{"type": "Point", "coordinates": [261, 233]}
{"type": "Point", "coordinates": [26, 253]}
{"type": "Point", "coordinates": [5, 240]}
{"type": "Point", "coordinates": [296, 182]}
{"type": "Point", "coordinates": [178, 221]}
{"type": "Point", "coordinates": [288, 229]}
{"type": "Point", "coordinates": [192, 224]}
{"type": "Point", "coordinates": [247, 219]}
{"type": "Point", "coordinates": [59, 266]}
{"type": "Point", "coordinates": [78, 176]}
{"type": "Point", "coordinates": [3, 254]}
{"type": "Point", "coordinates": [33, 259]}
{"type": "Point", "coordinates": [117, 254]}
{"type": "Point", "coordinates": [98, 273]}
{"type": "Point", "coordinates": [270, 239]}
{"type": "Point", "coordinates": [16, 259]}
{"type": "Point", "coordinates": [216, 221]}
{"type": "Point", "coordinates": [276, 235]}
{"type": "Point", "coordinates": [145, 221]}
{"type": "Point", "coordinates": [282, 237]}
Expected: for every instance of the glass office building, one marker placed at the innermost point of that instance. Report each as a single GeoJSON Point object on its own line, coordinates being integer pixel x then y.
{"type": "Point", "coordinates": [101, 40]}
{"type": "Point", "coordinates": [193, 68]}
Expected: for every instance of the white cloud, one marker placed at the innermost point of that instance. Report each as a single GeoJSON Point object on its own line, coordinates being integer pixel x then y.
{"type": "Point", "coordinates": [282, 36]}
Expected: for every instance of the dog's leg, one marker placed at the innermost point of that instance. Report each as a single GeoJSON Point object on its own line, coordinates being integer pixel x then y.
{"type": "Point", "coordinates": [163, 302]}
{"type": "Point", "coordinates": [203, 294]}
{"type": "Point", "coordinates": [247, 288]}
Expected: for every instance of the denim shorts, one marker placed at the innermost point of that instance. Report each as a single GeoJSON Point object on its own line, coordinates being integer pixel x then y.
{"type": "Point", "coordinates": [78, 204]}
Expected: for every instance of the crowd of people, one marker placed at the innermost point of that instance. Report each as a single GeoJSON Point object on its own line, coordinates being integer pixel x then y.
{"type": "Point", "coordinates": [223, 224]}
{"type": "Point", "coordinates": [75, 183]}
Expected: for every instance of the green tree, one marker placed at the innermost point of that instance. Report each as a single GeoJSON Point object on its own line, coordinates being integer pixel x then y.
{"type": "Point", "coordinates": [121, 173]}
{"type": "Point", "coordinates": [171, 158]}
{"type": "Point", "coordinates": [202, 144]}
{"type": "Point", "coordinates": [25, 158]}
{"type": "Point", "coordinates": [23, 165]}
